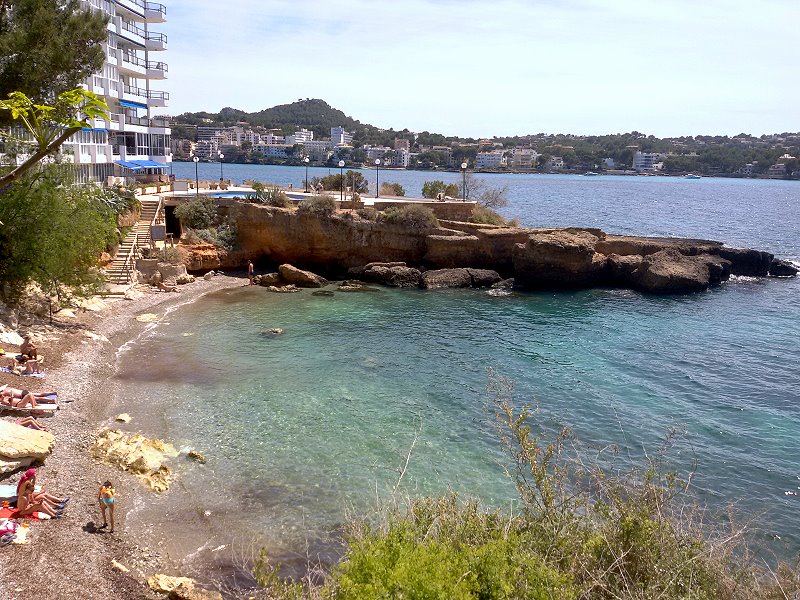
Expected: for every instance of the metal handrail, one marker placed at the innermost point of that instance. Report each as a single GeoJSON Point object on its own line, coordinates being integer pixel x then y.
{"type": "Point", "coordinates": [161, 66]}
{"type": "Point", "coordinates": [127, 267]}
{"type": "Point", "coordinates": [157, 37]}
{"type": "Point", "coordinates": [154, 95]}
{"type": "Point", "coordinates": [156, 7]}
{"type": "Point", "coordinates": [136, 91]}
{"type": "Point", "coordinates": [134, 29]}
{"type": "Point", "coordinates": [134, 60]}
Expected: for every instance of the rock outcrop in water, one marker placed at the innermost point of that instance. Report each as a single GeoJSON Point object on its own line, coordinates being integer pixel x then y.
{"type": "Point", "coordinates": [536, 258]}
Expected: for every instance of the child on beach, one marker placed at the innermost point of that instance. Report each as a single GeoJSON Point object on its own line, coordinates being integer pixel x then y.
{"type": "Point", "coordinates": [107, 498]}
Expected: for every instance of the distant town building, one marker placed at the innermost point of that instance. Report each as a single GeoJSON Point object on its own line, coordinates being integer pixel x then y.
{"type": "Point", "coordinates": [400, 158]}
{"type": "Point", "coordinates": [300, 137]}
{"type": "Point", "coordinates": [376, 152]}
{"type": "Point", "coordinates": [556, 163]}
{"type": "Point", "coordinates": [647, 161]}
{"type": "Point", "coordinates": [490, 160]}
{"type": "Point", "coordinates": [340, 137]}
{"type": "Point", "coordinates": [401, 144]}
{"type": "Point", "coordinates": [524, 158]}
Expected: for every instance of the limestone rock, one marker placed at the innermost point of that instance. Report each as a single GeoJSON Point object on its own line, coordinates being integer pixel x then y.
{"type": "Point", "coordinates": [208, 276]}
{"type": "Point", "coordinates": [747, 262]}
{"type": "Point", "coordinates": [190, 592]}
{"type": "Point", "coordinates": [17, 442]}
{"type": "Point", "coordinates": [621, 268]}
{"type": "Point", "coordinates": [782, 268]}
{"type": "Point", "coordinates": [66, 313]}
{"type": "Point", "coordinates": [275, 331]}
{"type": "Point", "coordinates": [446, 278]}
{"type": "Point", "coordinates": [171, 273]}
{"type": "Point", "coordinates": [197, 456]}
{"type": "Point", "coordinates": [483, 277]}
{"type": "Point", "coordinates": [300, 278]}
{"type": "Point", "coordinates": [560, 259]}
{"type": "Point", "coordinates": [164, 584]}
{"type": "Point", "coordinates": [267, 279]}
{"type": "Point", "coordinates": [9, 466]}
{"type": "Point", "coordinates": [670, 272]}
{"type": "Point", "coordinates": [505, 284]}
{"type": "Point", "coordinates": [352, 285]}
{"type": "Point", "coordinates": [284, 289]}
{"type": "Point", "coordinates": [94, 304]}
{"type": "Point", "coordinates": [184, 279]}
{"type": "Point", "coordinates": [135, 453]}
{"type": "Point", "coordinates": [392, 274]}
{"type": "Point", "coordinates": [133, 294]}
{"type": "Point", "coordinates": [11, 337]}
{"type": "Point", "coordinates": [123, 418]}
{"type": "Point", "coordinates": [119, 566]}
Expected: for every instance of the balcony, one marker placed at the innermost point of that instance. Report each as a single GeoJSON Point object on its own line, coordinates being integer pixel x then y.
{"type": "Point", "coordinates": [157, 70]}
{"type": "Point", "coordinates": [133, 9]}
{"type": "Point", "coordinates": [132, 64]}
{"type": "Point", "coordinates": [154, 12]}
{"type": "Point", "coordinates": [160, 122]}
{"type": "Point", "coordinates": [156, 41]}
{"type": "Point", "coordinates": [157, 98]}
{"type": "Point", "coordinates": [135, 94]}
{"type": "Point", "coordinates": [130, 32]}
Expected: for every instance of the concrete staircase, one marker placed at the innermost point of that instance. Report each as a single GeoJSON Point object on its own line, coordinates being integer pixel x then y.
{"type": "Point", "coordinates": [120, 270]}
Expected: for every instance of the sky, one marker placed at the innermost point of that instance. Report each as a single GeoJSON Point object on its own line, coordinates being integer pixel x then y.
{"type": "Point", "coordinates": [496, 67]}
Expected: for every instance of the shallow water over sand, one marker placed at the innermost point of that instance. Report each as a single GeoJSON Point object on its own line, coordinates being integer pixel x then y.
{"type": "Point", "coordinates": [302, 427]}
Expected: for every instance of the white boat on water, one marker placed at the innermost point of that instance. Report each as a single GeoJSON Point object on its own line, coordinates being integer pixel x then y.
{"type": "Point", "coordinates": [692, 176]}
{"type": "Point", "coordinates": [590, 174]}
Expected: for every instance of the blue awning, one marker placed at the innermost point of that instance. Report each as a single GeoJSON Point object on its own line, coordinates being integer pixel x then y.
{"type": "Point", "coordinates": [130, 104]}
{"type": "Point", "coordinates": [129, 165]}
{"type": "Point", "coordinates": [150, 164]}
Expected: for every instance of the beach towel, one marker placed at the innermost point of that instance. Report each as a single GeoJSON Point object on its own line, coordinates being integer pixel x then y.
{"type": "Point", "coordinates": [9, 492]}
{"type": "Point", "coordinates": [11, 513]}
{"type": "Point", "coordinates": [7, 370]}
{"type": "Point", "coordinates": [50, 407]}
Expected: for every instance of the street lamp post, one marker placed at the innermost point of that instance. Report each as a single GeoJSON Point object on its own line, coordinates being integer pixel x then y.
{"type": "Point", "coordinates": [341, 181]}
{"type": "Point", "coordinates": [196, 160]}
{"type": "Point", "coordinates": [221, 156]}
{"type": "Point", "coordinates": [377, 171]}
{"type": "Point", "coordinates": [464, 183]}
{"type": "Point", "coordinates": [306, 160]}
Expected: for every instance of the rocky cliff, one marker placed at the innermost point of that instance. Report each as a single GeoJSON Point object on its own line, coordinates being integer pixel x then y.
{"type": "Point", "coordinates": [535, 258]}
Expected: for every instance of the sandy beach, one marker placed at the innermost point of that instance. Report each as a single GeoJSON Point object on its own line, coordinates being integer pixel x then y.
{"type": "Point", "coordinates": [64, 558]}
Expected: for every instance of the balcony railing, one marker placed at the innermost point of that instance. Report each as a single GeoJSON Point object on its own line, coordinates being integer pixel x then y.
{"type": "Point", "coordinates": [134, 60]}
{"type": "Point", "coordinates": [159, 66]}
{"type": "Point", "coordinates": [142, 121]}
{"type": "Point", "coordinates": [159, 122]}
{"type": "Point", "coordinates": [157, 37]}
{"type": "Point", "coordinates": [128, 26]}
{"type": "Point", "coordinates": [136, 91]}
{"type": "Point", "coordinates": [155, 7]}
{"type": "Point", "coordinates": [153, 95]}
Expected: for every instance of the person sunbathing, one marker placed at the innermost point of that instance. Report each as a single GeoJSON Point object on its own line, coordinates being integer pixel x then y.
{"type": "Point", "coordinates": [167, 288]}
{"type": "Point", "coordinates": [28, 485]}
{"type": "Point", "coordinates": [7, 390]}
{"type": "Point", "coordinates": [12, 402]}
{"type": "Point", "coordinates": [31, 423]}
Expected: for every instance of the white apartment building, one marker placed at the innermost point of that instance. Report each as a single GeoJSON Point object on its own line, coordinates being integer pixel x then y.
{"type": "Point", "coordinates": [556, 163]}
{"type": "Point", "coordinates": [340, 137]}
{"type": "Point", "coordinates": [300, 137]}
{"type": "Point", "coordinates": [273, 150]}
{"type": "Point", "coordinates": [317, 150]}
{"type": "Point", "coordinates": [490, 160]}
{"type": "Point", "coordinates": [647, 161]}
{"type": "Point", "coordinates": [133, 141]}
{"type": "Point", "coordinates": [400, 158]}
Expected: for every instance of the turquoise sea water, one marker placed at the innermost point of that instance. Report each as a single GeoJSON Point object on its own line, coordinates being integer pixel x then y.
{"type": "Point", "coordinates": [302, 427]}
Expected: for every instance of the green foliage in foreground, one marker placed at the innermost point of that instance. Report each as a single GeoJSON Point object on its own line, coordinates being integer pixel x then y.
{"type": "Point", "coordinates": [585, 530]}
{"type": "Point", "coordinates": [53, 233]}
{"type": "Point", "coordinates": [321, 206]}
{"type": "Point", "coordinates": [486, 216]}
{"type": "Point", "coordinates": [270, 195]}
{"type": "Point", "coordinates": [198, 213]}
{"type": "Point", "coordinates": [410, 216]}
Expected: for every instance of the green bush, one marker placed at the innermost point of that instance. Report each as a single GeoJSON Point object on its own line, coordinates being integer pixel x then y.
{"type": "Point", "coordinates": [486, 216]}
{"type": "Point", "coordinates": [432, 189]}
{"type": "Point", "coordinates": [411, 216]}
{"type": "Point", "coordinates": [392, 189]}
{"type": "Point", "coordinates": [198, 213]}
{"type": "Point", "coordinates": [271, 196]}
{"type": "Point", "coordinates": [321, 206]}
{"type": "Point", "coordinates": [333, 183]}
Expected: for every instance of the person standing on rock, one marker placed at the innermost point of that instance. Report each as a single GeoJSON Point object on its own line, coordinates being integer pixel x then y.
{"type": "Point", "coordinates": [107, 499]}
{"type": "Point", "coordinates": [250, 271]}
